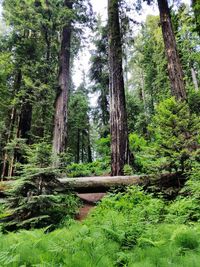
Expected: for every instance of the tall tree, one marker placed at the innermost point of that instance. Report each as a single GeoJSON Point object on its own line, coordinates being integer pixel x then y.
{"type": "Point", "coordinates": [118, 118]}
{"type": "Point", "coordinates": [60, 120]}
{"type": "Point", "coordinates": [99, 74]}
{"type": "Point", "coordinates": [174, 65]}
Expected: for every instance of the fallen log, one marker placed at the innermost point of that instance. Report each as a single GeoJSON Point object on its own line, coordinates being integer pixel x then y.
{"type": "Point", "coordinates": [103, 183]}
{"type": "Point", "coordinates": [153, 182]}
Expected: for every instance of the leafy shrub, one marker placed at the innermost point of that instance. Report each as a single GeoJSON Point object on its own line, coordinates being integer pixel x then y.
{"type": "Point", "coordinates": [186, 208]}
{"type": "Point", "coordinates": [103, 147]}
{"type": "Point", "coordinates": [128, 170]}
{"type": "Point", "coordinates": [95, 168]}
{"type": "Point", "coordinates": [37, 198]}
{"type": "Point", "coordinates": [186, 239]}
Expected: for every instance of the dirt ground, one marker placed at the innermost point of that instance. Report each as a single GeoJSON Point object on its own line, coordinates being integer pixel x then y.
{"type": "Point", "coordinates": [89, 200]}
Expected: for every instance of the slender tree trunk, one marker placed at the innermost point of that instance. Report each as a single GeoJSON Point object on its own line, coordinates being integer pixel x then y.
{"type": "Point", "coordinates": [17, 85]}
{"type": "Point", "coordinates": [194, 79]}
{"type": "Point", "coordinates": [78, 147]}
{"type": "Point", "coordinates": [174, 65]}
{"type": "Point", "coordinates": [89, 151]}
{"type": "Point", "coordinates": [118, 118]}
{"type": "Point", "coordinates": [60, 119]}
{"type": "Point", "coordinates": [82, 146]}
{"type": "Point", "coordinates": [10, 132]}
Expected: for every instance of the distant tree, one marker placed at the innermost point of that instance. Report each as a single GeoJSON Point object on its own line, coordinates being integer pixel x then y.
{"type": "Point", "coordinates": [79, 126]}
{"type": "Point", "coordinates": [99, 74]}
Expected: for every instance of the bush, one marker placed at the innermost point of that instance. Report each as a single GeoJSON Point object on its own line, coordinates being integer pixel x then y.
{"type": "Point", "coordinates": [37, 198]}
{"type": "Point", "coordinates": [96, 168]}
{"type": "Point", "coordinates": [186, 239]}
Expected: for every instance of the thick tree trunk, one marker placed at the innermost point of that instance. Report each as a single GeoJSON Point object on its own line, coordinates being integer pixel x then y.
{"type": "Point", "coordinates": [60, 119]}
{"type": "Point", "coordinates": [174, 65]}
{"type": "Point", "coordinates": [118, 118]}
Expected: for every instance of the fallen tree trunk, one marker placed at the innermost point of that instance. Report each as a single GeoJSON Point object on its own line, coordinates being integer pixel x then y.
{"type": "Point", "coordinates": [102, 184]}
{"type": "Point", "coordinates": [153, 182]}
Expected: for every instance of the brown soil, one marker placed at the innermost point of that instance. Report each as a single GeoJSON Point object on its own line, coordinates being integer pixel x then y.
{"type": "Point", "coordinates": [89, 200]}
{"type": "Point", "coordinates": [83, 212]}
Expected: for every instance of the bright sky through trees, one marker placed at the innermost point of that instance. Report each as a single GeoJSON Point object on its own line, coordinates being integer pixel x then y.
{"type": "Point", "coordinates": [100, 7]}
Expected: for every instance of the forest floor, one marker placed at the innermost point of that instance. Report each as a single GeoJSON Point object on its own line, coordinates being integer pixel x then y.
{"type": "Point", "coordinates": [89, 203]}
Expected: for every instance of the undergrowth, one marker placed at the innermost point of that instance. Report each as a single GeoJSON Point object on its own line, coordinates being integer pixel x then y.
{"type": "Point", "coordinates": [126, 229]}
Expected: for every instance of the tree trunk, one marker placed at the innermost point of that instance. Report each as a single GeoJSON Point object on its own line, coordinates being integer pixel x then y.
{"type": "Point", "coordinates": [25, 120]}
{"type": "Point", "coordinates": [17, 85]}
{"type": "Point", "coordinates": [60, 119]}
{"type": "Point", "coordinates": [89, 151]}
{"type": "Point", "coordinates": [78, 147]}
{"type": "Point", "coordinates": [194, 79]}
{"type": "Point", "coordinates": [118, 117]}
{"type": "Point", "coordinates": [174, 65]}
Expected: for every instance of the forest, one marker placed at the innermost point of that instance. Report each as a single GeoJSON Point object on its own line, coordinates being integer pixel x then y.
{"type": "Point", "coordinates": [128, 135]}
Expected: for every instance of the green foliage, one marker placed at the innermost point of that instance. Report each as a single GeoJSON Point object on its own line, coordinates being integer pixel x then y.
{"type": "Point", "coordinates": [186, 207]}
{"type": "Point", "coordinates": [128, 170]}
{"type": "Point", "coordinates": [186, 239]}
{"type": "Point", "coordinates": [126, 229]}
{"type": "Point", "coordinates": [37, 198]}
{"type": "Point", "coordinates": [175, 132]}
{"type": "Point", "coordinates": [79, 126]}
{"type": "Point", "coordinates": [103, 147]}
{"type": "Point", "coordinates": [96, 168]}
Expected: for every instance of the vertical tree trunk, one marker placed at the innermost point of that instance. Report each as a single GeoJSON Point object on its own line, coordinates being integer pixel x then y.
{"type": "Point", "coordinates": [194, 79]}
{"type": "Point", "coordinates": [25, 120]}
{"type": "Point", "coordinates": [174, 65]}
{"type": "Point", "coordinates": [78, 147]}
{"type": "Point", "coordinates": [17, 85]}
{"type": "Point", "coordinates": [118, 117]}
{"type": "Point", "coordinates": [60, 119]}
{"type": "Point", "coordinates": [89, 150]}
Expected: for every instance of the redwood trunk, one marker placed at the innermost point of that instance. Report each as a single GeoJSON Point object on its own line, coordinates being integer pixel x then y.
{"type": "Point", "coordinates": [174, 65]}
{"type": "Point", "coordinates": [118, 117]}
{"type": "Point", "coordinates": [60, 119]}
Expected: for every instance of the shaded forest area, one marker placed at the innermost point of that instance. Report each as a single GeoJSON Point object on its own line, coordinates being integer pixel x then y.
{"type": "Point", "coordinates": [145, 77]}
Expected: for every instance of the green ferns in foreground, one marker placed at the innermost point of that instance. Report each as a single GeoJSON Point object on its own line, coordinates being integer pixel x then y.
{"type": "Point", "coordinates": [126, 229]}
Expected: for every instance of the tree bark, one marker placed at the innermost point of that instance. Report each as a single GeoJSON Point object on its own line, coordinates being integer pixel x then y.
{"type": "Point", "coordinates": [13, 116]}
{"type": "Point", "coordinates": [25, 120]}
{"type": "Point", "coordinates": [60, 119]}
{"type": "Point", "coordinates": [174, 65]}
{"type": "Point", "coordinates": [118, 118]}
{"type": "Point", "coordinates": [194, 79]}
